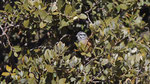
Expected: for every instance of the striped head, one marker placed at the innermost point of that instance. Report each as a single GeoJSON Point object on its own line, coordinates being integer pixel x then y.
{"type": "Point", "coordinates": [81, 36]}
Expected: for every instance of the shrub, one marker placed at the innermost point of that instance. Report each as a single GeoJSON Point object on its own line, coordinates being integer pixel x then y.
{"type": "Point", "coordinates": [38, 42]}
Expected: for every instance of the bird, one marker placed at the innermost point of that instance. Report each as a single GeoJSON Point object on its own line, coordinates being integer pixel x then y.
{"type": "Point", "coordinates": [83, 41]}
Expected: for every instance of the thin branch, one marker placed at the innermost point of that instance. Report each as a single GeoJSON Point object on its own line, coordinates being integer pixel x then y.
{"type": "Point", "coordinates": [4, 30]}
{"type": "Point", "coordinates": [90, 61]}
{"type": "Point", "coordinates": [63, 36]}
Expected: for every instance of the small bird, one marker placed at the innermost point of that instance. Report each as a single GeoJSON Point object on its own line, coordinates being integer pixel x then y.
{"type": "Point", "coordinates": [83, 41]}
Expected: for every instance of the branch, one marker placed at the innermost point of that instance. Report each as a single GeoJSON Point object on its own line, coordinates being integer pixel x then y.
{"type": "Point", "coordinates": [4, 30]}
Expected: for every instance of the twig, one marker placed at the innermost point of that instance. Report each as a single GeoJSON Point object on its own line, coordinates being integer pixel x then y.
{"type": "Point", "coordinates": [4, 30]}
{"type": "Point", "coordinates": [63, 36]}
{"type": "Point", "coordinates": [88, 18]}
{"type": "Point", "coordinates": [90, 61]}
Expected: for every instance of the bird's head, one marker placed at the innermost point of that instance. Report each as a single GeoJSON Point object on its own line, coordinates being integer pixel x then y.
{"type": "Point", "coordinates": [81, 36]}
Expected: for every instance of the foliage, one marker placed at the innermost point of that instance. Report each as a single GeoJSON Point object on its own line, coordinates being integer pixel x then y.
{"type": "Point", "coordinates": [38, 42]}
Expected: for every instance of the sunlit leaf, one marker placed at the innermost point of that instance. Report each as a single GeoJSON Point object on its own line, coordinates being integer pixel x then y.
{"type": "Point", "coordinates": [5, 74]}
{"type": "Point", "coordinates": [88, 54]}
{"type": "Point", "coordinates": [60, 4]}
{"type": "Point", "coordinates": [63, 23]}
{"type": "Point", "coordinates": [129, 75]}
{"type": "Point", "coordinates": [8, 68]}
{"type": "Point", "coordinates": [17, 48]}
{"type": "Point", "coordinates": [82, 16]}
{"type": "Point", "coordinates": [55, 13]}
{"type": "Point", "coordinates": [54, 7]}
{"type": "Point", "coordinates": [10, 53]}
{"type": "Point", "coordinates": [120, 58]}
{"type": "Point", "coordinates": [43, 14]}
{"type": "Point", "coordinates": [83, 53]}
{"type": "Point", "coordinates": [72, 79]}
{"type": "Point", "coordinates": [53, 82]}
{"type": "Point", "coordinates": [62, 81]}
{"type": "Point", "coordinates": [110, 6]}
{"type": "Point", "coordinates": [15, 54]}
{"type": "Point", "coordinates": [26, 23]}
{"type": "Point", "coordinates": [31, 75]}
{"type": "Point", "coordinates": [81, 67]}
{"type": "Point", "coordinates": [42, 25]}
{"type": "Point", "coordinates": [48, 54]}
{"type": "Point", "coordinates": [26, 7]}
{"type": "Point", "coordinates": [13, 74]}
{"type": "Point", "coordinates": [87, 68]}
{"type": "Point", "coordinates": [123, 6]}
{"type": "Point", "coordinates": [32, 80]}
{"type": "Point", "coordinates": [43, 8]}
{"type": "Point", "coordinates": [104, 61]}
{"type": "Point", "coordinates": [49, 68]}
{"type": "Point", "coordinates": [102, 77]}
{"type": "Point", "coordinates": [68, 9]}
{"type": "Point", "coordinates": [48, 19]}
{"type": "Point", "coordinates": [138, 20]}
{"type": "Point", "coordinates": [14, 70]}
{"type": "Point", "coordinates": [8, 8]}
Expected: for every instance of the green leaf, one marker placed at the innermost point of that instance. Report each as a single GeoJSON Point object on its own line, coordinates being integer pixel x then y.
{"type": "Point", "coordinates": [49, 68]}
{"type": "Point", "coordinates": [72, 79]}
{"type": "Point", "coordinates": [87, 68]}
{"type": "Point", "coordinates": [10, 53]}
{"type": "Point", "coordinates": [110, 6]}
{"type": "Point", "coordinates": [88, 54]}
{"type": "Point", "coordinates": [31, 75]}
{"type": "Point", "coordinates": [90, 3]}
{"type": "Point", "coordinates": [17, 48]}
{"type": "Point", "coordinates": [129, 75]}
{"type": "Point", "coordinates": [8, 68]}
{"type": "Point", "coordinates": [8, 8]}
{"type": "Point", "coordinates": [43, 14]}
{"type": "Point", "coordinates": [60, 4]}
{"type": "Point", "coordinates": [104, 61]}
{"type": "Point", "coordinates": [53, 82]}
{"type": "Point", "coordinates": [123, 6]}
{"type": "Point", "coordinates": [68, 9]}
{"type": "Point", "coordinates": [54, 7]}
{"type": "Point", "coordinates": [138, 20]}
{"type": "Point", "coordinates": [62, 81]}
{"type": "Point", "coordinates": [138, 57]}
{"type": "Point", "coordinates": [2, 11]}
{"type": "Point", "coordinates": [122, 45]}
{"type": "Point", "coordinates": [118, 8]}
{"type": "Point", "coordinates": [32, 81]}
{"type": "Point", "coordinates": [48, 54]}
{"type": "Point", "coordinates": [55, 13]}
{"type": "Point", "coordinates": [25, 6]}
{"type": "Point", "coordinates": [26, 23]}
{"type": "Point", "coordinates": [146, 36]}
{"type": "Point", "coordinates": [83, 53]}
{"type": "Point", "coordinates": [42, 25]}
{"type": "Point", "coordinates": [43, 8]}
{"type": "Point", "coordinates": [102, 77]}
{"type": "Point", "coordinates": [36, 13]}
{"type": "Point", "coordinates": [63, 24]}
{"type": "Point", "coordinates": [13, 75]}
{"type": "Point", "coordinates": [81, 67]}
{"type": "Point", "coordinates": [108, 45]}
{"type": "Point", "coordinates": [5, 74]}
{"type": "Point", "coordinates": [82, 16]}
{"type": "Point", "coordinates": [48, 19]}
{"type": "Point", "coordinates": [15, 54]}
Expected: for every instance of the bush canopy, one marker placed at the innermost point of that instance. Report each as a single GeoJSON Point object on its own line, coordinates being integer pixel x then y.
{"type": "Point", "coordinates": [38, 43]}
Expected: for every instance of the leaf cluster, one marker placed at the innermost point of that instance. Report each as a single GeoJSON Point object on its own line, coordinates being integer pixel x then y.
{"type": "Point", "coordinates": [38, 42]}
